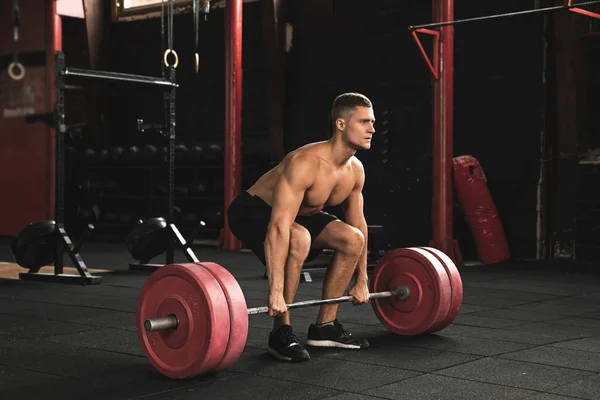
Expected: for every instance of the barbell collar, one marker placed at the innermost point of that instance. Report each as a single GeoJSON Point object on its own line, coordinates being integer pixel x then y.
{"type": "Point", "coordinates": [170, 322]}
{"type": "Point", "coordinates": [161, 324]}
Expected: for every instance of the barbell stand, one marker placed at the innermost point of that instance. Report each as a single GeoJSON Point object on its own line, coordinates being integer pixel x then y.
{"type": "Point", "coordinates": [184, 245]}
{"type": "Point", "coordinates": [63, 241]}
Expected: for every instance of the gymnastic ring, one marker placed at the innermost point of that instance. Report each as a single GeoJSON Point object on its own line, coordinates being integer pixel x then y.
{"type": "Point", "coordinates": [19, 67]}
{"type": "Point", "coordinates": [174, 54]}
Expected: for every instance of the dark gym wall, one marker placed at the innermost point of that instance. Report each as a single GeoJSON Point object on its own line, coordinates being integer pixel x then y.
{"type": "Point", "coordinates": [587, 215]}
{"type": "Point", "coordinates": [136, 48]}
{"type": "Point", "coordinates": [342, 46]}
{"type": "Point", "coordinates": [200, 97]}
{"type": "Point", "coordinates": [499, 104]}
{"type": "Point", "coordinates": [351, 45]}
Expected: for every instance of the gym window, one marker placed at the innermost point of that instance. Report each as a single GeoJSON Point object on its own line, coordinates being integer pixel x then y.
{"type": "Point", "coordinates": [130, 10]}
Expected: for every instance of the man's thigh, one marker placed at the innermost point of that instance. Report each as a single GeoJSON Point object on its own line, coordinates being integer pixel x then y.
{"type": "Point", "coordinates": [315, 225]}
{"type": "Point", "coordinates": [334, 236]}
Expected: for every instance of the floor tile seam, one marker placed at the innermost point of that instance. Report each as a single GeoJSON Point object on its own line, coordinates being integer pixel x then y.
{"type": "Point", "coordinates": [44, 339]}
{"type": "Point", "coordinates": [537, 344]}
{"type": "Point", "coordinates": [45, 372]}
{"type": "Point", "coordinates": [473, 354]}
{"type": "Point", "coordinates": [512, 341]}
{"type": "Point", "coordinates": [71, 305]}
{"type": "Point", "coordinates": [530, 292]}
{"type": "Point", "coordinates": [487, 327]}
{"type": "Point", "coordinates": [503, 357]}
{"type": "Point", "coordinates": [187, 386]}
{"type": "Point", "coordinates": [514, 319]}
{"type": "Point", "coordinates": [330, 388]}
{"type": "Point", "coordinates": [352, 361]}
{"type": "Point", "coordinates": [571, 348]}
{"type": "Point", "coordinates": [546, 391]}
{"type": "Point", "coordinates": [91, 326]}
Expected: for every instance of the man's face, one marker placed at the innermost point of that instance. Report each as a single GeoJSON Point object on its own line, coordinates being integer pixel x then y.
{"type": "Point", "coordinates": [358, 128]}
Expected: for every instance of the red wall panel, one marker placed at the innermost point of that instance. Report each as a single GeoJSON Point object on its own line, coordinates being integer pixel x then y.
{"type": "Point", "coordinates": [27, 149]}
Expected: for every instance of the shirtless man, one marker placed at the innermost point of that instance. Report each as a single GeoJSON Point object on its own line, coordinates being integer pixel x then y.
{"type": "Point", "coordinates": [280, 219]}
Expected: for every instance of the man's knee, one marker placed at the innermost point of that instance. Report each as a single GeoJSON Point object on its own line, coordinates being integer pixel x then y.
{"type": "Point", "coordinates": [353, 241]}
{"type": "Point", "coordinates": [299, 243]}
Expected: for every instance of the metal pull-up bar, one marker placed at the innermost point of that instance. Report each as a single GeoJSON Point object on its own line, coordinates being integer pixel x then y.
{"type": "Point", "coordinates": [117, 77]}
{"type": "Point", "coordinates": [427, 28]}
{"type": "Point", "coordinates": [568, 6]}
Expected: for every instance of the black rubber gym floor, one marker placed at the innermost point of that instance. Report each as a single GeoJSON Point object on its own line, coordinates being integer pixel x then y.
{"type": "Point", "coordinates": [526, 330]}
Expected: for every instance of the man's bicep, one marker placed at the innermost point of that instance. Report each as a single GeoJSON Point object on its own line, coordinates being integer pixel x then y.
{"type": "Point", "coordinates": [354, 204]}
{"type": "Point", "coordinates": [289, 191]}
{"type": "Point", "coordinates": [286, 201]}
{"type": "Point", "coordinates": [353, 208]}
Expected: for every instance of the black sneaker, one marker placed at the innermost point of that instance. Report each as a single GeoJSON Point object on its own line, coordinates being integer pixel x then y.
{"type": "Point", "coordinates": [334, 336]}
{"type": "Point", "coordinates": [284, 345]}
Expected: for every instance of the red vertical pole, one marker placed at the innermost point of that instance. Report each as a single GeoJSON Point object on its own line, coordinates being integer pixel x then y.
{"type": "Point", "coordinates": [53, 44]}
{"type": "Point", "coordinates": [233, 114]}
{"type": "Point", "coordinates": [443, 104]}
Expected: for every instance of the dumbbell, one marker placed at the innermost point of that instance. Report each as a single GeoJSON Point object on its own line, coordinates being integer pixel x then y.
{"type": "Point", "coordinates": [192, 319]}
{"type": "Point", "coordinates": [88, 156]}
{"type": "Point", "coordinates": [213, 153]}
{"type": "Point", "coordinates": [115, 154]}
{"type": "Point", "coordinates": [148, 154]}
{"type": "Point", "coordinates": [182, 191]}
{"type": "Point", "coordinates": [131, 155]}
{"type": "Point", "coordinates": [196, 154]}
{"type": "Point", "coordinates": [196, 189]}
{"type": "Point", "coordinates": [181, 154]}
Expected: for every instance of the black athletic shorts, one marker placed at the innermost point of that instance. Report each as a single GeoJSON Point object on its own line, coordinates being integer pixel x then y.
{"type": "Point", "coordinates": [249, 217]}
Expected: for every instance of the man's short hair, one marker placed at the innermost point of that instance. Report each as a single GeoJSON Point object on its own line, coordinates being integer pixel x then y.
{"type": "Point", "coordinates": [346, 103]}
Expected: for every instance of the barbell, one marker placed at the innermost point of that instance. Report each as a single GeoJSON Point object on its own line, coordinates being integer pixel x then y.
{"type": "Point", "coordinates": [192, 319]}
{"type": "Point", "coordinates": [171, 321]}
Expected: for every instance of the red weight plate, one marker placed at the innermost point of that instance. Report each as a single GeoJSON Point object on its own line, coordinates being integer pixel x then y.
{"type": "Point", "coordinates": [197, 345]}
{"type": "Point", "coordinates": [238, 314]}
{"type": "Point", "coordinates": [457, 289]}
{"type": "Point", "coordinates": [429, 286]}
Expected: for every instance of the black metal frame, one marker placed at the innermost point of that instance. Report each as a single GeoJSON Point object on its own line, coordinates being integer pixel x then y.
{"type": "Point", "coordinates": [184, 244]}
{"type": "Point", "coordinates": [63, 241]}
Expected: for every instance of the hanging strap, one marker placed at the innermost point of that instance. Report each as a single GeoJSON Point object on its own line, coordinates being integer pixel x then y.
{"type": "Point", "coordinates": [169, 49]}
{"type": "Point", "coordinates": [196, 14]}
{"type": "Point", "coordinates": [16, 70]}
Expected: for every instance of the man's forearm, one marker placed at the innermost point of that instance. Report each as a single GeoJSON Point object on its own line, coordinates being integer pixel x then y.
{"type": "Point", "coordinates": [360, 272]}
{"type": "Point", "coordinates": [277, 244]}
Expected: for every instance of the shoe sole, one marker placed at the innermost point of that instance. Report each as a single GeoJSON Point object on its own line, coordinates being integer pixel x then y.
{"type": "Point", "coordinates": [278, 356]}
{"type": "Point", "coordinates": [331, 343]}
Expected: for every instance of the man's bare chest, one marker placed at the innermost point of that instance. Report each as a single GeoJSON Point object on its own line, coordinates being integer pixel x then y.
{"type": "Point", "coordinates": [329, 191]}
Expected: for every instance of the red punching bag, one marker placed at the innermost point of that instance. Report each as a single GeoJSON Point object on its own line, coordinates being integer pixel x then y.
{"type": "Point", "coordinates": [479, 210]}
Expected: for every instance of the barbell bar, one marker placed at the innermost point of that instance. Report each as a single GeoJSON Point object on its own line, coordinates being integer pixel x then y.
{"type": "Point", "coordinates": [171, 322]}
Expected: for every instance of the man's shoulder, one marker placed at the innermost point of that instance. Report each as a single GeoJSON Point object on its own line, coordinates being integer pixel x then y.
{"type": "Point", "coordinates": [302, 163]}
{"type": "Point", "coordinates": [304, 157]}
{"type": "Point", "coordinates": [356, 164]}
{"type": "Point", "coordinates": [358, 171]}
{"type": "Point", "coordinates": [308, 155]}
